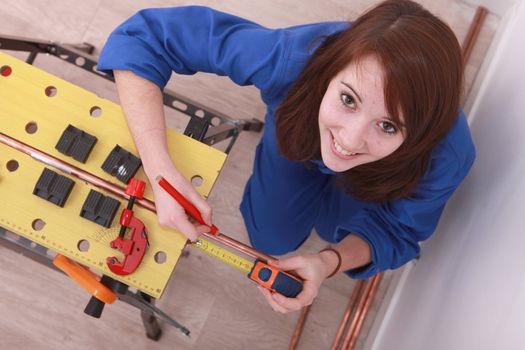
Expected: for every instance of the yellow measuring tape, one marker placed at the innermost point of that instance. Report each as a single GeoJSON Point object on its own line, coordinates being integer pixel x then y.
{"type": "Point", "coordinates": [223, 255]}
{"type": "Point", "coordinates": [265, 275]}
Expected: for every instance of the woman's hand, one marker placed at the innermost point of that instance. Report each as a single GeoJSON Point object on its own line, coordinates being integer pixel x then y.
{"type": "Point", "coordinates": [312, 268]}
{"type": "Point", "coordinates": [171, 214]}
{"type": "Point", "coordinates": [142, 103]}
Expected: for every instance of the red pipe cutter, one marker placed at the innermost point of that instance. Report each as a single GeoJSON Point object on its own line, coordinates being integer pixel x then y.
{"type": "Point", "coordinates": [133, 248]}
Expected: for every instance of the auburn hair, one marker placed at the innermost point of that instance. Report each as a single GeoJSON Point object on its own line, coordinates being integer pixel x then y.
{"type": "Point", "coordinates": [422, 75]}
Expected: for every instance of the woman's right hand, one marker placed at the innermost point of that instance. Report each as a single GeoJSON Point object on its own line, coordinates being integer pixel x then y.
{"type": "Point", "coordinates": [142, 103]}
{"type": "Point", "coordinates": [171, 214]}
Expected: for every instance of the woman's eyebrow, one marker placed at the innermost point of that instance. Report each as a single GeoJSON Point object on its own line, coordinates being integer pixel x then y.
{"type": "Point", "coordinates": [353, 90]}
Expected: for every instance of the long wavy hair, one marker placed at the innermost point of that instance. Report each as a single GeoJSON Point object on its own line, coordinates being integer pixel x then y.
{"type": "Point", "coordinates": [423, 80]}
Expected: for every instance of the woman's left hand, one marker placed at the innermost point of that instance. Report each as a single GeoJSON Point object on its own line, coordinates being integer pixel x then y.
{"type": "Point", "coordinates": [311, 269]}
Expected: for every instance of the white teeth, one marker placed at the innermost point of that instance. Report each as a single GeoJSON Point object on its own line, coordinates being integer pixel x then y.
{"type": "Point", "coordinates": [341, 150]}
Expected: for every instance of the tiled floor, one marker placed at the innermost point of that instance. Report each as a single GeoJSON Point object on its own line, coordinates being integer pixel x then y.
{"type": "Point", "coordinates": [42, 309]}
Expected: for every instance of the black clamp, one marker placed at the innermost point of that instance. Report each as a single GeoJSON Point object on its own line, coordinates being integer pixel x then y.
{"type": "Point", "coordinates": [76, 143]}
{"type": "Point", "coordinates": [121, 164]}
{"type": "Point", "coordinates": [53, 187]}
{"type": "Point", "coordinates": [99, 208]}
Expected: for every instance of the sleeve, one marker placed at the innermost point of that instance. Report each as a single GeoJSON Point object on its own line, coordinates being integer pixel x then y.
{"type": "Point", "coordinates": [155, 42]}
{"type": "Point", "coordinates": [394, 229]}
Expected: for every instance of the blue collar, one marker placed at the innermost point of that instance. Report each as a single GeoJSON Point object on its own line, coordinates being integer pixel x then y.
{"type": "Point", "coordinates": [322, 168]}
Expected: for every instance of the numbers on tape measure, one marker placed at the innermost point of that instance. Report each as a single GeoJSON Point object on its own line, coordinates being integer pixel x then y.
{"type": "Point", "coordinates": [224, 255]}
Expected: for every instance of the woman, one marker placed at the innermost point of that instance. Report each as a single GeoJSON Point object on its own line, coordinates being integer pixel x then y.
{"type": "Point", "coordinates": [364, 138]}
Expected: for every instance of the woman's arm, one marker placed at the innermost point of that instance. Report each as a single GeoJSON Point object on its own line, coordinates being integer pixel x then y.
{"type": "Point", "coordinates": [142, 103]}
{"type": "Point", "coordinates": [354, 250]}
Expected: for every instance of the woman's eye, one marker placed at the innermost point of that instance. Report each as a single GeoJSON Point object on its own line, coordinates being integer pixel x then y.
{"type": "Point", "coordinates": [388, 127]}
{"type": "Point", "coordinates": [348, 100]}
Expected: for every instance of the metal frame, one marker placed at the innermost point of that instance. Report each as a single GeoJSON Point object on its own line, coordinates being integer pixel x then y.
{"type": "Point", "coordinates": [146, 304]}
{"type": "Point", "coordinates": [205, 125]}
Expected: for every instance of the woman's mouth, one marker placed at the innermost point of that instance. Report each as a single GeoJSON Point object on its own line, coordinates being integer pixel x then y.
{"type": "Point", "coordinates": [341, 152]}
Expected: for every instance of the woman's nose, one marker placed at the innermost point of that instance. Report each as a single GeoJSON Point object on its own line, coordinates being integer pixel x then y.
{"type": "Point", "coordinates": [353, 135]}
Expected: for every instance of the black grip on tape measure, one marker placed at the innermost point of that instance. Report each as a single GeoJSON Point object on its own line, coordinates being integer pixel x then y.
{"type": "Point", "coordinates": [287, 285]}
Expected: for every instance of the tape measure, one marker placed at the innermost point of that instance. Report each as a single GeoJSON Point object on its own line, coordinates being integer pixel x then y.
{"type": "Point", "coordinates": [223, 255]}
{"type": "Point", "coordinates": [268, 276]}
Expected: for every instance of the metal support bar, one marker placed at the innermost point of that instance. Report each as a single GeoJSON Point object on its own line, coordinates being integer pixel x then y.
{"type": "Point", "coordinates": [26, 247]}
{"type": "Point", "coordinates": [149, 320]}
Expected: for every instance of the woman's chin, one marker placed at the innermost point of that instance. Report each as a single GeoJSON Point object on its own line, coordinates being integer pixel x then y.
{"type": "Point", "coordinates": [337, 166]}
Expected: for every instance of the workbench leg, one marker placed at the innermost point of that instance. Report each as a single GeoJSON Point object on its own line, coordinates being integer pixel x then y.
{"type": "Point", "coordinates": [151, 324]}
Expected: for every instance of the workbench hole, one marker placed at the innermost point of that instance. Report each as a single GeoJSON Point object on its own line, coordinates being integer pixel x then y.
{"type": "Point", "coordinates": [6, 71]}
{"type": "Point", "coordinates": [80, 61]}
{"type": "Point", "coordinates": [12, 165]}
{"type": "Point", "coordinates": [160, 257]}
{"type": "Point", "coordinates": [215, 121]}
{"type": "Point", "coordinates": [197, 180]}
{"type": "Point", "coordinates": [38, 224]}
{"type": "Point", "coordinates": [199, 113]}
{"type": "Point", "coordinates": [179, 105]}
{"type": "Point", "coordinates": [95, 111]}
{"type": "Point", "coordinates": [51, 91]}
{"type": "Point", "coordinates": [83, 245]}
{"type": "Point", "coordinates": [31, 127]}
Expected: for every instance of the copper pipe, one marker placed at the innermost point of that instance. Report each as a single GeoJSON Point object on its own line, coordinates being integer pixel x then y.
{"type": "Point", "coordinates": [362, 312]}
{"type": "Point", "coordinates": [118, 191]}
{"type": "Point", "coordinates": [473, 32]}
{"type": "Point", "coordinates": [299, 327]}
{"type": "Point", "coordinates": [241, 247]}
{"type": "Point", "coordinates": [349, 309]}
{"type": "Point", "coordinates": [69, 169]}
{"type": "Point", "coordinates": [358, 312]}
{"type": "Point", "coordinates": [368, 302]}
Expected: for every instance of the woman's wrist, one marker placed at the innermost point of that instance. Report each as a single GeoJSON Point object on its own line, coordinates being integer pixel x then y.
{"type": "Point", "coordinates": [159, 164]}
{"type": "Point", "coordinates": [331, 259]}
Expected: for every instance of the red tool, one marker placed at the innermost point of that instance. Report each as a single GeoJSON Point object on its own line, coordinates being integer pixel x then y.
{"type": "Point", "coordinates": [133, 248]}
{"type": "Point", "coordinates": [186, 204]}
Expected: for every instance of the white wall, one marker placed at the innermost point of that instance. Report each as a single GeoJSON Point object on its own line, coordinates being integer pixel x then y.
{"type": "Point", "coordinates": [498, 7]}
{"type": "Point", "coordinates": [468, 289]}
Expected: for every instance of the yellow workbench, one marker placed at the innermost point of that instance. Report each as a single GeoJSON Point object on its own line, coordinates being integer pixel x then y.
{"type": "Point", "coordinates": [35, 109]}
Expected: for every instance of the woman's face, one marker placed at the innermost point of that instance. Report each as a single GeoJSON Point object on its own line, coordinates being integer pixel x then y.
{"type": "Point", "coordinates": [353, 121]}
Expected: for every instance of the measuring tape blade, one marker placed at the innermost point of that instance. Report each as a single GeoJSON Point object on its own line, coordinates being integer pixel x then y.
{"type": "Point", "coordinates": [265, 275]}
{"type": "Point", "coordinates": [224, 255]}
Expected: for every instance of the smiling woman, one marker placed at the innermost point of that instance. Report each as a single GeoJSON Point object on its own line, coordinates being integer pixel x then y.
{"type": "Point", "coordinates": [411, 66]}
{"type": "Point", "coordinates": [354, 126]}
{"type": "Point", "coordinates": [364, 140]}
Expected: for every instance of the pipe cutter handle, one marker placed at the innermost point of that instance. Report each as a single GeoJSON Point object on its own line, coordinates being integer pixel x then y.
{"type": "Point", "coordinates": [133, 248]}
